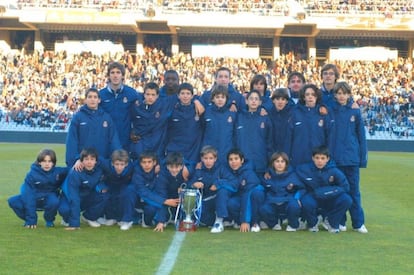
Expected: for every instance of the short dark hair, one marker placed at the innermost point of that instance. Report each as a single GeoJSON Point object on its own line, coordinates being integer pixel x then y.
{"type": "Point", "coordinates": [152, 86]}
{"type": "Point", "coordinates": [46, 152]}
{"type": "Point", "coordinates": [186, 86]}
{"type": "Point", "coordinates": [219, 90]}
{"type": "Point", "coordinates": [235, 151]}
{"type": "Point", "coordinates": [88, 152]}
{"type": "Point", "coordinates": [174, 158]}
{"type": "Point", "coordinates": [257, 79]}
{"type": "Point", "coordinates": [321, 150]}
{"type": "Point", "coordinates": [298, 74]}
{"type": "Point", "coordinates": [318, 93]}
{"type": "Point", "coordinates": [281, 93]}
{"type": "Point", "coordinates": [147, 154]}
{"type": "Point", "coordinates": [116, 65]}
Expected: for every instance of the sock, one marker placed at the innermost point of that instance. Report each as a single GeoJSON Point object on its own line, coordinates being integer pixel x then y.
{"type": "Point", "coordinates": [219, 220]}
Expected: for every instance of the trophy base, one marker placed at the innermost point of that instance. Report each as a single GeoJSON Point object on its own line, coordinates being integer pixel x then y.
{"type": "Point", "coordinates": [187, 227]}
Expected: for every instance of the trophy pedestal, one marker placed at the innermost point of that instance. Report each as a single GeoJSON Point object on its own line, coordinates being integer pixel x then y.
{"type": "Point", "coordinates": [187, 226]}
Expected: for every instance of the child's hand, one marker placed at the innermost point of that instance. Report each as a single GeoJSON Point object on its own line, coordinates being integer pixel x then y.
{"type": "Point", "coordinates": [244, 227]}
{"type": "Point", "coordinates": [323, 110]}
{"type": "Point", "coordinates": [198, 165]}
{"type": "Point", "coordinates": [355, 105]}
{"type": "Point", "coordinates": [213, 188]}
{"type": "Point", "coordinates": [289, 187]}
{"type": "Point", "coordinates": [267, 176]}
{"type": "Point", "coordinates": [172, 202]}
{"type": "Point", "coordinates": [233, 107]}
{"type": "Point", "coordinates": [263, 112]}
{"type": "Point", "coordinates": [199, 108]}
{"type": "Point", "coordinates": [157, 169]}
{"type": "Point", "coordinates": [198, 185]}
{"type": "Point", "coordinates": [159, 227]}
{"type": "Point", "coordinates": [186, 173]}
{"type": "Point", "coordinates": [78, 166]}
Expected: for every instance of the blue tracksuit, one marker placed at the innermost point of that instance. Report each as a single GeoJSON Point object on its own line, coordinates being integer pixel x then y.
{"type": "Point", "coordinates": [280, 124]}
{"type": "Point", "coordinates": [328, 97]}
{"type": "Point", "coordinates": [308, 129]}
{"type": "Point", "coordinates": [40, 189]}
{"type": "Point", "coordinates": [219, 125]}
{"type": "Point", "coordinates": [280, 200]}
{"type": "Point", "coordinates": [117, 104]}
{"type": "Point", "coordinates": [215, 202]}
{"type": "Point", "coordinates": [151, 192]}
{"type": "Point", "coordinates": [234, 96]}
{"type": "Point", "coordinates": [117, 188]}
{"type": "Point", "coordinates": [350, 154]}
{"type": "Point", "coordinates": [327, 188]}
{"type": "Point", "coordinates": [254, 138]}
{"type": "Point", "coordinates": [185, 132]}
{"type": "Point", "coordinates": [91, 128]}
{"type": "Point", "coordinates": [244, 205]}
{"type": "Point", "coordinates": [149, 123]}
{"type": "Point", "coordinates": [82, 191]}
{"type": "Point", "coordinates": [267, 103]}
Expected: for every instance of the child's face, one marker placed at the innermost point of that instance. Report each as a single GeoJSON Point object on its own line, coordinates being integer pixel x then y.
{"type": "Point", "coordinates": [89, 162]}
{"type": "Point", "coordinates": [342, 97]}
{"type": "Point", "coordinates": [295, 84]}
{"type": "Point", "coordinates": [115, 77]}
{"type": "Point", "coordinates": [185, 96]}
{"type": "Point", "coordinates": [119, 166]}
{"type": "Point", "coordinates": [280, 103]}
{"type": "Point", "coordinates": [92, 100]}
{"type": "Point", "coordinates": [208, 160]}
{"type": "Point", "coordinates": [320, 160]}
{"type": "Point", "coordinates": [223, 78]}
{"type": "Point", "coordinates": [254, 102]}
{"type": "Point", "coordinates": [147, 164]}
{"type": "Point", "coordinates": [150, 96]}
{"type": "Point", "coordinates": [235, 162]}
{"type": "Point", "coordinates": [259, 86]}
{"type": "Point", "coordinates": [174, 169]}
{"type": "Point", "coordinates": [219, 100]}
{"type": "Point", "coordinates": [328, 77]}
{"type": "Point", "coordinates": [46, 164]}
{"type": "Point", "coordinates": [310, 97]}
{"type": "Point", "coordinates": [279, 165]}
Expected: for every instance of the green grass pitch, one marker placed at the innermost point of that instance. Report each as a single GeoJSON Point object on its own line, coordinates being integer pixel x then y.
{"type": "Point", "coordinates": [387, 187]}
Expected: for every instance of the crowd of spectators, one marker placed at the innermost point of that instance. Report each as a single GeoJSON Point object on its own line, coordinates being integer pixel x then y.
{"type": "Point", "coordinates": [43, 90]}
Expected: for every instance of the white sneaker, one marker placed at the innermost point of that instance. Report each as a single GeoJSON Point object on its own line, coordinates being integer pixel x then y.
{"type": "Point", "coordinates": [228, 223]}
{"type": "Point", "coordinates": [104, 221]}
{"type": "Point", "coordinates": [314, 228]}
{"type": "Point", "coordinates": [290, 229]}
{"type": "Point", "coordinates": [65, 224]}
{"type": "Point", "coordinates": [263, 225]}
{"type": "Point", "coordinates": [342, 228]}
{"type": "Point", "coordinates": [362, 229]}
{"type": "Point", "coordinates": [302, 225]}
{"type": "Point", "coordinates": [89, 222]}
{"type": "Point", "coordinates": [325, 224]}
{"type": "Point", "coordinates": [277, 227]}
{"type": "Point", "coordinates": [125, 225]}
{"type": "Point", "coordinates": [255, 228]}
{"type": "Point", "coordinates": [334, 230]}
{"type": "Point", "coordinates": [101, 220]}
{"type": "Point", "coordinates": [217, 228]}
{"type": "Point", "coordinates": [236, 226]}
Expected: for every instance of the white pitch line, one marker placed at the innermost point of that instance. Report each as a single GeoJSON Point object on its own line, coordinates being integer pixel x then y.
{"type": "Point", "coordinates": [170, 256]}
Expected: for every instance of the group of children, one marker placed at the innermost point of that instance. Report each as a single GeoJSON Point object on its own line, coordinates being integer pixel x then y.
{"type": "Point", "coordinates": [257, 159]}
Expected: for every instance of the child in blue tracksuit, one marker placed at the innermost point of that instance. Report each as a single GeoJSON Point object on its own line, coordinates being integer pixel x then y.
{"type": "Point", "coordinates": [280, 115]}
{"type": "Point", "coordinates": [350, 151]}
{"type": "Point", "coordinates": [282, 196]}
{"type": "Point", "coordinates": [84, 191]}
{"type": "Point", "coordinates": [308, 126]}
{"type": "Point", "coordinates": [117, 99]}
{"type": "Point", "coordinates": [149, 121]}
{"type": "Point", "coordinates": [151, 192]}
{"type": "Point", "coordinates": [259, 83]}
{"type": "Point", "coordinates": [244, 205]}
{"type": "Point", "coordinates": [118, 174]}
{"type": "Point", "coordinates": [326, 188]}
{"type": "Point", "coordinates": [91, 127]}
{"type": "Point", "coordinates": [253, 133]}
{"type": "Point", "coordinates": [40, 189]}
{"type": "Point", "coordinates": [219, 123]}
{"type": "Point", "coordinates": [217, 185]}
{"type": "Point", "coordinates": [185, 132]}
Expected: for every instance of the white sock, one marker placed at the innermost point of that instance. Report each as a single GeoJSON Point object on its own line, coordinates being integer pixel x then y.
{"type": "Point", "coordinates": [219, 220]}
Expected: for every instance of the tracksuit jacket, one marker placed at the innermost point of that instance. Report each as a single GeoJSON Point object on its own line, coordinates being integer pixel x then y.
{"type": "Point", "coordinates": [219, 127]}
{"type": "Point", "coordinates": [308, 129]}
{"type": "Point", "coordinates": [91, 128]}
{"type": "Point", "coordinates": [280, 125]}
{"type": "Point", "coordinates": [83, 191]}
{"type": "Point", "coordinates": [328, 97]}
{"type": "Point", "coordinates": [254, 138]}
{"type": "Point", "coordinates": [234, 96]}
{"type": "Point", "coordinates": [38, 185]}
{"type": "Point", "coordinates": [185, 132]}
{"type": "Point", "coordinates": [350, 142]}
{"type": "Point", "coordinates": [117, 104]}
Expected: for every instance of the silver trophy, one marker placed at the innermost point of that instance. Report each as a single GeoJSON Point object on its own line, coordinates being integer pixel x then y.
{"type": "Point", "coordinates": [189, 201]}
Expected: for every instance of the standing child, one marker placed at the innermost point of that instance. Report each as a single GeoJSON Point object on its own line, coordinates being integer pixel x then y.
{"type": "Point", "coordinates": [280, 115]}
{"type": "Point", "coordinates": [259, 83]}
{"type": "Point", "coordinates": [282, 197]}
{"type": "Point", "coordinates": [244, 205]}
{"type": "Point", "coordinates": [84, 191]}
{"type": "Point", "coordinates": [217, 185]}
{"type": "Point", "coordinates": [40, 189]}
{"type": "Point", "coordinates": [327, 188]}
{"type": "Point", "coordinates": [350, 152]}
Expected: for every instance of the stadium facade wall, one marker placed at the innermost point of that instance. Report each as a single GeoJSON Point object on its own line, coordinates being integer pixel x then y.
{"type": "Point", "coordinates": [60, 137]}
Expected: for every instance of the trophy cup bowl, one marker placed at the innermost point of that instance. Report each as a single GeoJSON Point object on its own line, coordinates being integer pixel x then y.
{"type": "Point", "coordinates": [189, 202]}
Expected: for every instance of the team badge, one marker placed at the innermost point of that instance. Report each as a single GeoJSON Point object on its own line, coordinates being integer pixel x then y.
{"type": "Point", "coordinates": [262, 125]}
{"type": "Point", "coordinates": [197, 118]}
{"type": "Point", "coordinates": [320, 123]}
{"type": "Point", "coordinates": [105, 124]}
{"type": "Point", "coordinates": [352, 118]}
{"type": "Point", "coordinates": [230, 119]}
{"type": "Point", "coordinates": [331, 179]}
{"type": "Point", "coordinates": [137, 103]}
{"type": "Point", "coordinates": [243, 182]}
{"type": "Point", "coordinates": [157, 115]}
{"type": "Point", "coordinates": [125, 99]}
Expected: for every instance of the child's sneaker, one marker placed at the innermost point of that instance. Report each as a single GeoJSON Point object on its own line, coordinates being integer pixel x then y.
{"type": "Point", "coordinates": [255, 228]}
{"type": "Point", "coordinates": [90, 222]}
{"type": "Point", "coordinates": [334, 230]}
{"type": "Point", "coordinates": [277, 227]}
{"type": "Point", "coordinates": [302, 225]}
{"type": "Point", "coordinates": [65, 224]}
{"type": "Point", "coordinates": [325, 224]}
{"type": "Point", "coordinates": [50, 224]}
{"type": "Point", "coordinates": [125, 225]}
{"type": "Point", "coordinates": [290, 229]}
{"type": "Point", "coordinates": [342, 228]}
{"type": "Point", "coordinates": [217, 228]}
{"type": "Point", "coordinates": [362, 229]}
{"type": "Point", "coordinates": [228, 223]}
{"type": "Point", "coordinates": [236, 226]}
{"type": "Point", "coordinates": [315, 228]}
{"type": "Point", "coordinates": [263, 225]}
